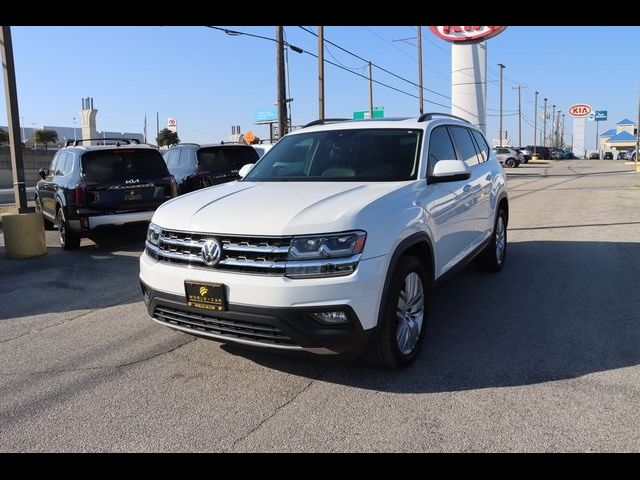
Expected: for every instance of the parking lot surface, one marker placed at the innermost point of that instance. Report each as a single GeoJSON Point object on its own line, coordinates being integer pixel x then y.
{"type": "Point", "coordinates": [544, 356]}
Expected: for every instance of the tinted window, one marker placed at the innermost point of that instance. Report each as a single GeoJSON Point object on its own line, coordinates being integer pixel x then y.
{"type": "Point", "coordinates": [122, 164]}
{"type": "Point", "coordinates": [440, 147]}
{"type": "Point", "coordinates": [464, 145]}
{"type": "Point", "coordinates": [225, 160]}
{"type": "Point", "coordinates": [367, 154]}
{"type": "Point", "coordinates": [482, 144]}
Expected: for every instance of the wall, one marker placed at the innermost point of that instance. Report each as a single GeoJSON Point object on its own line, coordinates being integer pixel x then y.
{"type": "Point", "coordinates": [33, 161]}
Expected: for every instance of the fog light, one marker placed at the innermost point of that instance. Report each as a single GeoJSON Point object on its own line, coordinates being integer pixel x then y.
{"type": "Point", "coordinates": [330, 317]}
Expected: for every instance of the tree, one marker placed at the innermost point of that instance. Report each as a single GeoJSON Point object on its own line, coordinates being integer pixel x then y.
{"type": "Point", "coordinates": [45, 136]}
{"type": "Point", "coordinates": [167, 138]}
{"type": "Point", "coordinates": [4, 136]}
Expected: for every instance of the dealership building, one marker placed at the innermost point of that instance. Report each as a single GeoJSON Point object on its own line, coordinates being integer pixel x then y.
{"type": "Point", "coordinates": [620, 138]}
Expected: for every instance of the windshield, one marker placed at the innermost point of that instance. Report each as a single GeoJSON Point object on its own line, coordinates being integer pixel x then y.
{"type": "Point", "coordinates": [121, 164]}
{"type": "Point", "coordinates": [378, 155]}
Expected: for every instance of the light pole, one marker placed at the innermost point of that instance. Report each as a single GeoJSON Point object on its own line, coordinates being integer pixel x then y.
{"type": "Point", "coordinates": [553, 121]}
{"type": "Point", "coordinates": [500, 136]}
{"type": "Point", "coordinates": [544, 130]}
{"type": "Point", "coordinates": [75, 135]}
{"type": "Point", "coordinates": [535, 122]}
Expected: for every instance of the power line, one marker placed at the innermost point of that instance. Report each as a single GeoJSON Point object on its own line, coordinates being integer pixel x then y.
{"type": "Point", "coordinates": [375, 65]}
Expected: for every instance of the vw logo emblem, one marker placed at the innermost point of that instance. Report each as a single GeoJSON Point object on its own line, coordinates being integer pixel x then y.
{"type": "Point", "coordinates": [211, 252]}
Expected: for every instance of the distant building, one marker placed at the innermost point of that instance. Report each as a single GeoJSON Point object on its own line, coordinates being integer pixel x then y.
{"type": "Point", "coordinates": [71, 133]}
{"type": "Point", "coordinates": [619, 138]}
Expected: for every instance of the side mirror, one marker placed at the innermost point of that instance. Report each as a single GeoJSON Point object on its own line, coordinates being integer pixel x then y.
{"type": "Point", "coordinates": [43, 172]}
{"type": "Point", "coordinates": [449, 171]}
{"type": "Point", "coordinates": [245, 169]}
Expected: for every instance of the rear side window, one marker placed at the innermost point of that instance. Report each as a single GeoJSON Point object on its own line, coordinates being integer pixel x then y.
{"type": "Point", "coordinates": [464, 145]}
{"type": "Point", "coordinates": [225, 160]}
{"type": "Point", "coordinates": [123, 164]}
{"type": "Point", "coordinates": [440, 147]}
{"type": "Point", "coordinates": [482, 144]}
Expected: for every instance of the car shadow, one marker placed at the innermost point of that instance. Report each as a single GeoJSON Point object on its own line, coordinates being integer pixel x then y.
{"type": "Point", "coordinates": [101, 273]}
{"type": "Point", "coordinates": [558, 310]}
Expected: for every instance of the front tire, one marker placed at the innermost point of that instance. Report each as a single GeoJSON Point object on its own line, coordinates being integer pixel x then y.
{"type": "Point", "coordinates": [510, 162]}
{"type": "Point", "coordinates": [492, 257]}
{"type": "Point", "coordinates": [398, 338]}
{"type": "Point", "coordinates": [48, 224]}
{"type": "Point", "coordinates": [69, 240]}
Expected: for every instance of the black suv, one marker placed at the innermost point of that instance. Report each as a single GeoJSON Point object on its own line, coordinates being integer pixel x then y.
{"type": "Point", "coordinates": [87, 188]}
{"type": "Point", "coordinates": [197, 166]}
{"type": "Point", "coordinates": [608, 156]}
{"type": "Point", "coordinates": [542, 152]}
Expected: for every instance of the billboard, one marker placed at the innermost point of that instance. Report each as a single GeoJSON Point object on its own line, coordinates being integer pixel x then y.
{"type": "Point", "coordinates": [266, 115]}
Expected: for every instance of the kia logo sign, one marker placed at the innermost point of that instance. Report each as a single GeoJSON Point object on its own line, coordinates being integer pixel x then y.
{"type": "Point", "coordinates": [466, 34]}
{"type": "Point", "coordinates": [580, 110]}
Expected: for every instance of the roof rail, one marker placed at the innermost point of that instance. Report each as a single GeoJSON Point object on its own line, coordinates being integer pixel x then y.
{"type": "Point", "coordinates": [185, 143]}
{"type": "Point", "coordinates": [428, 116]}
{"type": "Point", "coordinates": [123, 140]}
{"type": "Point", "coordinates": [322, 121]}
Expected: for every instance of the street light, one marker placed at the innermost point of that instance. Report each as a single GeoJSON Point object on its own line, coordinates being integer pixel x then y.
{"type": "Point", "coordinates": [75, 136]}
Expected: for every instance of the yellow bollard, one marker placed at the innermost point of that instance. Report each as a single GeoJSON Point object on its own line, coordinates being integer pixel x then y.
{"type": "Point", "coordinates": [535, 157]}
{"type": "Point", "coordinates": [24, 235]}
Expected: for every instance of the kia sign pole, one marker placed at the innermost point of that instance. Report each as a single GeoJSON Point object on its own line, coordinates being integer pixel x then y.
{"type": "Point", "coordinates": [468, 70]}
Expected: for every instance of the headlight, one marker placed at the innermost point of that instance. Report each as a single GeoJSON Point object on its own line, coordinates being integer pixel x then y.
{"type": "Point", "coordinates": [325, 255]}
{"type": "Point", "coordinates": [153, 233]}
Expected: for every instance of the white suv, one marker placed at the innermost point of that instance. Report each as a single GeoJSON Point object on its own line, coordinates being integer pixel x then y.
{"type": "Point", "coordinates": [333, 240]}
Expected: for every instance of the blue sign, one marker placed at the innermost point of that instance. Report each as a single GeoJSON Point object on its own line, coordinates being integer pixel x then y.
{"type": "Point", "coordinates": [600, 116]}
{"type": "Point", "coordinates": [266, 115]}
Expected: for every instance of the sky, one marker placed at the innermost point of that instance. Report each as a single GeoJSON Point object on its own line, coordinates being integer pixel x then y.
{"type": "Point", "coordinates": [209, 80]}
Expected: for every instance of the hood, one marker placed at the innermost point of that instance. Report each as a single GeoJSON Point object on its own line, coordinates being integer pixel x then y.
{"type": "Point", "coordinates": [272, 208]}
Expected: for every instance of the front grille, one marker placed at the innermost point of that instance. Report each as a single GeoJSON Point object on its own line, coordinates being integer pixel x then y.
{"type": "Point", "coordinates": [262, 255]}
{"type": "Point", "coordinates": [224, 328]}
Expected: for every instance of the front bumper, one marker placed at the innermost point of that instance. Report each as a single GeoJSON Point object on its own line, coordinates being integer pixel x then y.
{"type": "Point", "coordinates": [281, 328]}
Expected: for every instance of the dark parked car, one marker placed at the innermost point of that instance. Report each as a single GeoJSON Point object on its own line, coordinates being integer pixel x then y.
{"type": "Point", "coordinates": [622, 155]}
{"type": "Point", "coordinates": [541, 152]}
{"type": "Point", "coordinates": [88, 188]}
{"type": "Point", "coordinates": [594, 156]}
{"type": "Point", "coordinates": [198, 166]}
{"type": "Point", "coordinates": [568, 156]}
{"type": "Point", "coordinates": [608, 155]}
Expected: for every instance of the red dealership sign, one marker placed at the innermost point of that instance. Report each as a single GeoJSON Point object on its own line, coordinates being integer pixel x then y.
{"type": "Point", "coordinates": [579, 110]}
{"type": "Point", "coordinates": [467, 34]}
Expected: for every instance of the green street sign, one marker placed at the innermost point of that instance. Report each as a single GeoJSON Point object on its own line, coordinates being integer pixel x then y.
{"type": "Point", "coordinates": [378, 112]}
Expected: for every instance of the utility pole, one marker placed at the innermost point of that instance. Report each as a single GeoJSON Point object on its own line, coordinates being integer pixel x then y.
{"type": "Point", "coordinates": [638, 136]}
{"type": "Point", "coordinates": [544, 130]}
{"type": "Point", "coordinates": [535, 122]}
{"type": "Point", "coordinates": [519, 88]}
{"type": "Point", "coordinates": [562, 137]}
{"type": "Point", "coordinates": [420, 87]}
{"type": "Point", "coordinates": [501, 69]}
{"type": "Point", "coordinates": [597, 142]}
{"type": "Point", "coordinates": [282, 105]}
{"type": "Point", "coordinates": [553, 121]}
{"type": "Point", "coordinates": [370, 92]}
{"type": "Point", "coordinates": [320, 72]}
{"type": "Point", "coordinates": [557, 135]}
{"type": "Point", "coordinates": [13, 119]}
{"type": "Point", "coordinates": [157, 126]}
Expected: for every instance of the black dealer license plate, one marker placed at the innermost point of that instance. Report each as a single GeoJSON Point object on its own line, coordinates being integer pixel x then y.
{"type": "Point", "coordinates": [208, 296]}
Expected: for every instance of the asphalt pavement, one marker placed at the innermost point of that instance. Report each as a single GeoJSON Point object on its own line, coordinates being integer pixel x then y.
{"type": "Point", "coordinates": [544, 356]}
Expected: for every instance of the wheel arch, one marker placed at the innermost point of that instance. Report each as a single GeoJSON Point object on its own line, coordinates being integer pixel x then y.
{"type": "Point", "coordinates": [419, 245]}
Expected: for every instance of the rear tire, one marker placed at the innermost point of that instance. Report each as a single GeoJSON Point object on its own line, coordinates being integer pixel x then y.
{"type": "Point", "coordinates": [510, 162]}
{"type": "Point", "coordinates": [397, 340]}
{"type": "Point", "coordinates": [69, 240]}
{"type": "Point", "coordinates": [492, 258]}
